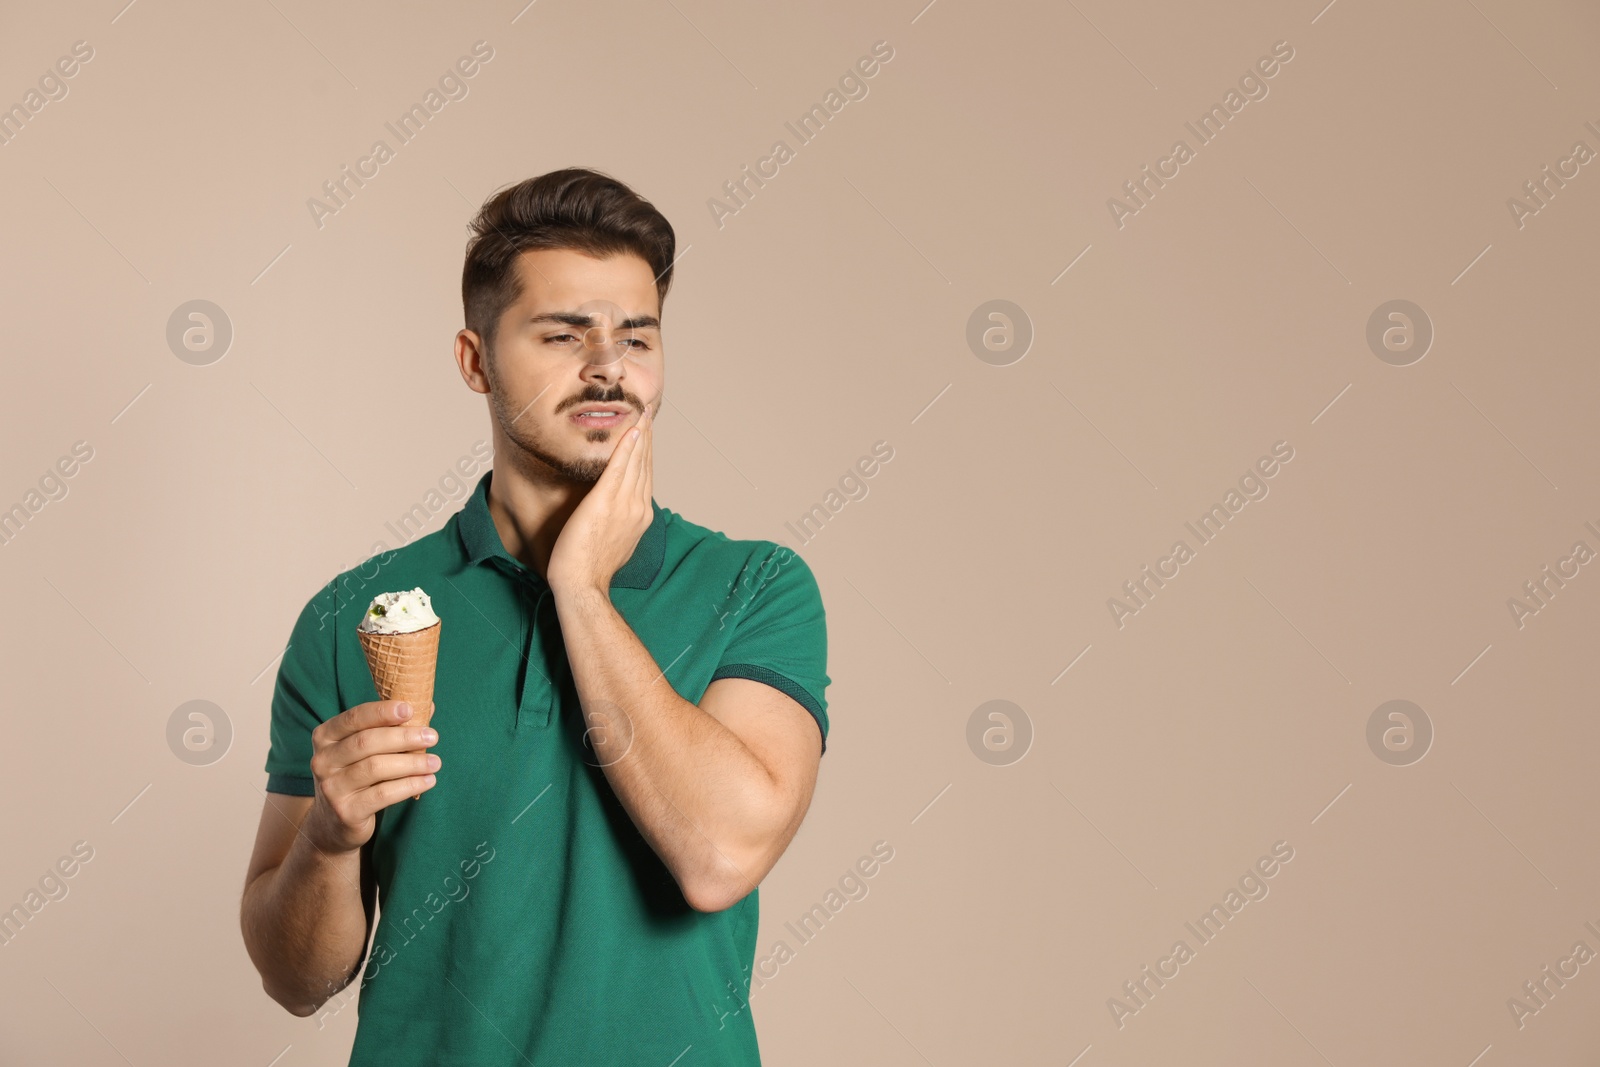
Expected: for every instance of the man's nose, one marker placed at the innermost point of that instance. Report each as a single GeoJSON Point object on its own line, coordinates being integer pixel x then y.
{"type": "Point", "coordinates": [600, 346]}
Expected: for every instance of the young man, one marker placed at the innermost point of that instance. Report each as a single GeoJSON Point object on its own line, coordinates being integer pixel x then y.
{"type": "Point", "coordinates": [629, 709]}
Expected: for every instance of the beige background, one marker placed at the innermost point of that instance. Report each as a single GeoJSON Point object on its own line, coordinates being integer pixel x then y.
{"type": "Point", "coordinates": [829, 313]}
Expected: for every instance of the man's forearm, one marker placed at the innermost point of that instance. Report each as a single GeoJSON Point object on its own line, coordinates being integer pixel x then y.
{"type": "Point", "coordinates": [305, 926]}
{"type": "Point", "coordinates": [701, 799]}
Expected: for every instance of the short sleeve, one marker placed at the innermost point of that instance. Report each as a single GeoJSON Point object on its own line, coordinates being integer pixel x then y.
{"type": "Point", "coordinates": [780, 634]}
{"type": "Point", "coordinates": [306, 695]}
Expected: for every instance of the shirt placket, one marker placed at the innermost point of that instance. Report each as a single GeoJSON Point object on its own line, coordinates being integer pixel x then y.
{"type": "Point", "coordinates": [546, 656]}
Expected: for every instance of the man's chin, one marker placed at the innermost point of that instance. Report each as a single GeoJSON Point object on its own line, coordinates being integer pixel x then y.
{"type": "Point", "coordinates": [580, 465]}
{"type": "Point", "coordinates": [580, 470]}
{"type": "Point", "coordinates": [585, 474]}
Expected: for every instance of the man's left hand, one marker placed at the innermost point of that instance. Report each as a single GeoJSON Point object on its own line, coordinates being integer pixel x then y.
{"type": "Point", "coordinates": [604, 529]}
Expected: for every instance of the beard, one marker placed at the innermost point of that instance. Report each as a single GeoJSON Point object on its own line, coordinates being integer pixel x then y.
{"type": "Point", "coordinates": [528, 443]}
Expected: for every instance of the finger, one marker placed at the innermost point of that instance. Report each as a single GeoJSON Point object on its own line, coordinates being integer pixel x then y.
{"type": "Point", "coordinates": [364, 717]}
{"type": "Point", "coordinates": [638, 488]}
{"type": "Point", "coordinates": [420, 714]}
{"type": "Point", "coordinates": [616, 465]}
{"type": "Point", "coordinates": [649, 460]}
{"type": "Point", "coordinates": [628, 488]}
{"type": "Point", "coordinates": [639, 467]}
{"type": "Point", "coordinates": [388, 766]}
{"type": "Point", "coordinates": [375, 798]}
{"type": "Point", "coordinates": [374, 741]}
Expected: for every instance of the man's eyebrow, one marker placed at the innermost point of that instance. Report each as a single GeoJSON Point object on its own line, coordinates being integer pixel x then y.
{"type": "Point", "coordinates": [578, 319]}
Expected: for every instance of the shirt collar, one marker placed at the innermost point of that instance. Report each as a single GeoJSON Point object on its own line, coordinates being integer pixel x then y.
{"type": "Point", "coordinates": [481, 540]}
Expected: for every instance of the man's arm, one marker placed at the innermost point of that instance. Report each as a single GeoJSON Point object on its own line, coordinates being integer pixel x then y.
{"type": "Point", "coordinates": [306, 914]}
{"type": "Point", "coordinates": [309, 895]}
{"type": "Point", "coordinates": [717, 790]}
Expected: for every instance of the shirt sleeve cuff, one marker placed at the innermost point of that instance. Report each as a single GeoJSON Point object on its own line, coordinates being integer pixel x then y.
{"type": "Point", "coordinates": [787, 686]}
{"type": "Point", "coordinates": [294, 785]}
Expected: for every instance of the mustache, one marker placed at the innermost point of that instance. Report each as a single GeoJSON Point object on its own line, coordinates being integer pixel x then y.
{"type": "Point", "coordinates": [599, 397]}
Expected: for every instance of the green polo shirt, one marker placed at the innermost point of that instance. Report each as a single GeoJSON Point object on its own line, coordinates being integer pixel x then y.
{"type": "Point", "coordinates": [523, 917]}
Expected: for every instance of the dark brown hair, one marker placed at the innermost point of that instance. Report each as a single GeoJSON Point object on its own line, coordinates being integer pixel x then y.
{"type": "Point", "coordinates": [575, 208]}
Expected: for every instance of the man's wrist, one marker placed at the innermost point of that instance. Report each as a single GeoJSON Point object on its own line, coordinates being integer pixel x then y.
{"type": "Point", "coordinates": [313, 831]}
{"type": "Point", "coordinates": [582, 594]}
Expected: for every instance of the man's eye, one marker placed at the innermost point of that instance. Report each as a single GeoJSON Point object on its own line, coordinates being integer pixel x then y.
{"type": "Point", "coordinates": [635, 344]}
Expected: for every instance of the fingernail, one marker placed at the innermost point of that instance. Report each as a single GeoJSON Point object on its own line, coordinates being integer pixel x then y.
{"type": "Point", "coordinates": [429, 737]}
{"type": "Point", "coordinates": [402, 711]}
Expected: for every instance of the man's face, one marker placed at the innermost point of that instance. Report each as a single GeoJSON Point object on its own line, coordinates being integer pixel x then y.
{"type": "Point", "coordinates": [586, 333]}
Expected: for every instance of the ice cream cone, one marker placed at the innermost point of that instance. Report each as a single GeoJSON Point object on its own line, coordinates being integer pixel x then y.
{"type": "Point", "coordinates": [403, 668]}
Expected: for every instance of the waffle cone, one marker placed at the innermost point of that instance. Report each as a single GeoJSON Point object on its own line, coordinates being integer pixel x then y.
{"type": "Point", "coordinates": [403, 667]}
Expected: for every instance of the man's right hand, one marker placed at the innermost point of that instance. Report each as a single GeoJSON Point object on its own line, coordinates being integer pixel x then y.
{"type": "Point", "coordinates": [363, 761]}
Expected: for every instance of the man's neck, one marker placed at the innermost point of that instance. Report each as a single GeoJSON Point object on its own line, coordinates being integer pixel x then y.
{"type": "Point", "coordinates": [529, 513]}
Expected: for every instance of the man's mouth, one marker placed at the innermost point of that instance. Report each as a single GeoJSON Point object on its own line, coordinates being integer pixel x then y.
{"type": "Point", "coordinates": [601, 417]}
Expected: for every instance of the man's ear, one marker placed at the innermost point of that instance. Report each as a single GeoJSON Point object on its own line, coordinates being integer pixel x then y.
{"type": "Point", "coordinates": [472, 360]}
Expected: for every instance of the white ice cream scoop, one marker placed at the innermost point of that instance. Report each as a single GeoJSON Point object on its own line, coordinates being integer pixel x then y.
{"type": "Point", "coordinates": [401, 612]}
